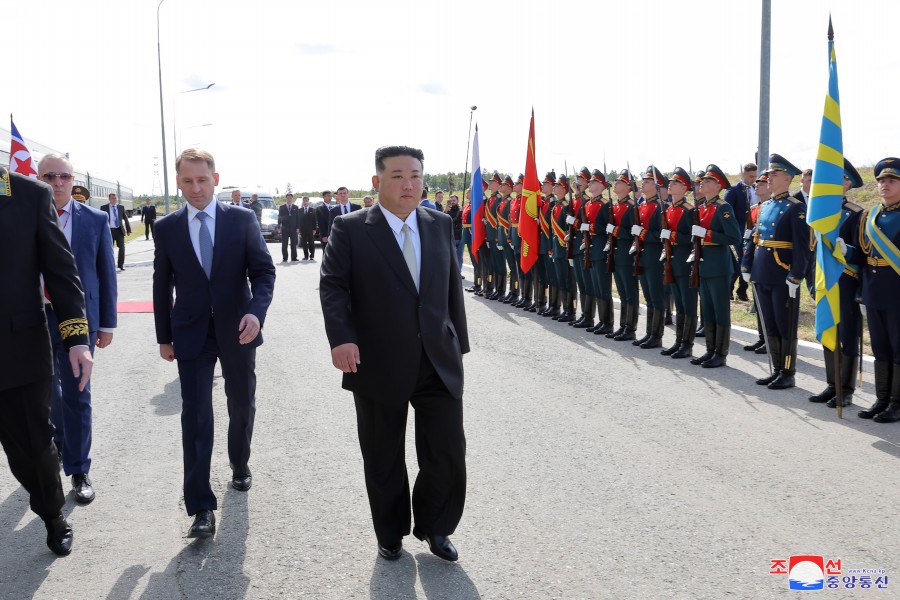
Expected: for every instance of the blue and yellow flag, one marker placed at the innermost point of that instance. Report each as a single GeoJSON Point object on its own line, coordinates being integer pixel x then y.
{"type": "Point", "coordinates": [824, 213]}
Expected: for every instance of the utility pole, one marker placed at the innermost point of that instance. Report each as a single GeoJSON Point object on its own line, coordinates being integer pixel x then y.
{"type": "Point", "coordinates": [765, 55]}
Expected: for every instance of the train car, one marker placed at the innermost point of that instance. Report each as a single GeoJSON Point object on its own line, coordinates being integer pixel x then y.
{"type": "Point", "coordinates": [100, 188]}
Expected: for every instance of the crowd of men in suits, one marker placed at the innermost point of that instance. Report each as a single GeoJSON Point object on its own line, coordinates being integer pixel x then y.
{"type": "Point", "coordinates": [643, 234]}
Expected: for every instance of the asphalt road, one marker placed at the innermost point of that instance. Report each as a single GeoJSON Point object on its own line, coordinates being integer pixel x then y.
{"type": "Point", "coordinates": [596, 470]}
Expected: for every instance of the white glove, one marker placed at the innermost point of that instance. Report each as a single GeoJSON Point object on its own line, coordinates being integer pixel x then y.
{"type": "Point", "coordinates": [570, 219]}
{"type": "Point", "coordinates": [698, 231]}
{"type": "Point", "coordinates": [746, 277]}
{"type": "Point", "coordinates": [610, 228]}
{"type": "Point", "coordinates": [841, 246]}
{"type": "Point", "coordinates": [488, 244]}
{"type": "Point", "coordinates": [633, 249]}
{"type": "Point", "coordinates": [690, 258]}
{"type": "Point", "coordinates": [665, 234]}
{"type": "Point", "coordinates": [662, 256]}
{"type": "Point", "coordinates": [636, 230]}
{"type": "Point", "coordinates": [862, 309]}
{"type": "Point", "coordinates": [499, 247]}
{"type": "Point", "coordinates": [567, 237]}
{"type": "Point", "coordinates": [581, 247]}
{"type": "Point", "coordinates": [792, 288]}
{"type": "Point", "coordinates": [585, 227]}
{"type": "Point", "coordinates": [484, 221]}
{"type": "Point", "coordinates": [571, 262]}
{"type": "Point", "coordinates": [747, 234]}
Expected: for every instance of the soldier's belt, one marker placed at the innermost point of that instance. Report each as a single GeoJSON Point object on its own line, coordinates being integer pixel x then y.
{"type": "Point", "coordinates": [775, 244]}
{"type": "Point", "coordinates": [705, 243]}
{"type": "Point", "coordinates": [515, 225]}
{"type": "Point", "coordinates": [877, 262]}
{"type": "Point", "coordinates": [467, 226]}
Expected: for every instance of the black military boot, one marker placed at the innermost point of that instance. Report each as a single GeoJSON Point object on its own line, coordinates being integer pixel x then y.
{"type": "Point", "coordinates": [785, 378]}
{"type": "Point", "coordinates": [892, 413]}
{"type": "Point", "coordinates": [723, 340]}
{"type": "Point", "coordinates": [487, 286]}
{"type": "Point", "coordinates": [757, 344]}
{"type": "Point", "coordinates": [605, 323]}
{"type": "Point", "coordinates": [829, 392]}
{"type": "Point", "coordinates": [648, 328]}
{"type": "Point", "coordinates": [563, 305]}
{"type": "Point", "coordinates": [596, 305]}
{"type": "Point", "coordinates": [500, 292]}
{"type": "Point", "coordinates": [525, 296]}
{"type": "Point", "coordinates": [687, 342]}
{"type": "Point", "coordinates": [588, 321]}
{"type": "Point", "coordinates": [568, 308]}
{"type": "Point", "coordinates": [882, 390]}
{"type": "Point", "coordinates": [777, 362]}
{"type": "Point", "coordinates": [701, 331]}
{"type": "Point", "coordinates": [580, 319]}
{"type": "Point", "coordinates": [553, 306]}
{"type": "Point", "coordinates": [710, 336]}
{"type": "Point", "coordinates": [631, 317]}
{"type": "Point", "coordinates": [657, 324]}
{"type": "Point", "coordinates": [679, 336]}
{"type": "Point", "coordinates": [623, 321]}
{"type": "Point", "coordinates": [668, 298]}
{"type": "Point", "coordinates": [849, 366]}
{"type": "Point", "coordinates": [540, 299]}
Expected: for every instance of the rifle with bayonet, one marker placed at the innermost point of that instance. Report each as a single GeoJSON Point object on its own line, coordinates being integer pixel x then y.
{"type": "Point", "coordinates": [586, 235]}
{"type": "Point", "coordinates": [637, 246]}
{"type": "Point", "coordinates": [611, 240]}
{"type": "Point", "coordinates": [697, 254]}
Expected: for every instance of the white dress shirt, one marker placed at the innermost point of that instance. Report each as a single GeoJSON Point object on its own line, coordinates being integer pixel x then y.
{"type": "Point", "coordinates": [194, 226]}
{"type": "Point", "coordinates": [396, 225]}
{"type": "Point", "coordinates": [65, 220]}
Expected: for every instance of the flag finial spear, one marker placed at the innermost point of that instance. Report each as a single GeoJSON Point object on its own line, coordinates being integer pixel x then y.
{"type": "Point", "coordinates": [830, 29]}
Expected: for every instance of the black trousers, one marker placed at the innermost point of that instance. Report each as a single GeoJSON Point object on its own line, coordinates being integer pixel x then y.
{"type": "Point", "coordinates": [27, 438]}
{"type": "Point", "coordinates": [285, 237]}
{"type": "Point", "coordinates": [197, 428]}
{"type": "Point", "coordinates": [148, 233]}
{"type": "Point", "coordinates": [308, 244]}
{"type": "Point", "coordinates": [118, 237]}
{"type": "Point", "coordinates": [440, 489]}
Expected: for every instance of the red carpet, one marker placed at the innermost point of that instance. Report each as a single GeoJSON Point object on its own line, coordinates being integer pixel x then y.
{"type": "Point", "coordinates": [135, 307]}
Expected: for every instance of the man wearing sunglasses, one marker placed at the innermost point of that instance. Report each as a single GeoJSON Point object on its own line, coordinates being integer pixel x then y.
{"type": "Point", "coordinates": [87, 232]}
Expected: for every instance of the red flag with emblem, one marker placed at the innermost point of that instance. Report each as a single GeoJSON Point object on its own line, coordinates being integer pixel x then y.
{"type": "Point", "coordinates": [528, 214]}
{"type": "Point", "coordinates": [20, 160]}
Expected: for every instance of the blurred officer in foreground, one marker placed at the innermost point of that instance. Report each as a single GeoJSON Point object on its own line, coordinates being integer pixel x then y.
{"type": "Point", "coordinates": [29, 230]}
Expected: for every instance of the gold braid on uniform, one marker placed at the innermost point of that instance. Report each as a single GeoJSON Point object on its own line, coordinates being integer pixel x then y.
{"type": "Point", "coordinates": [73, 327]}
{"type": "Point", "coordinates": [863, 219]}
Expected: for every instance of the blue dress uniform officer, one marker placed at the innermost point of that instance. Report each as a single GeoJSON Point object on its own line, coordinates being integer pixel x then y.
{"type": "Point", "coordinates": [505, 240]}
{"type": "Point", "coordinates": [492, 237]}
{"type": "Point", "coordinates": [622, 239]}
{"type": "Point", "coordinates": [565, 278]}
{"type": "Point", "coordinates": [718, 231]}
{"type": "Point", "coordinates": [851, 319]}
{"type": "Point", "coordinates": [777, 265]}
{"type": "Point", "coordinates": [648, 230]}
{"type": "Point", "coordinates": [582, 275]}
{"type": "Point", "coordinates": [598, 214]}
{"type": "Point", "coordinates": [876, 250]}
{"type": "Point", "coordinates": [679, 220]}
{"type": "Point", "coordinates": [547, 272]}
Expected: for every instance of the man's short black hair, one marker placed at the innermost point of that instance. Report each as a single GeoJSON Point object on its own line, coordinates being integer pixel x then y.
{"type": "Point", "coordinates": [392, 151]}
{"type": "Point", "coordinates": [326, 192]}
{"type": "Point", "coordinates": [343, 187]}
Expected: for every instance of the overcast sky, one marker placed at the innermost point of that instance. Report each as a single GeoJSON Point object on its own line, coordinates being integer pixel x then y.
{"type": "Point", "coordinates": [305, 92]}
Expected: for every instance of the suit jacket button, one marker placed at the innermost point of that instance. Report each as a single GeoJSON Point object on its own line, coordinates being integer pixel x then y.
{"type": "Point", "coordinates": [419, 335]}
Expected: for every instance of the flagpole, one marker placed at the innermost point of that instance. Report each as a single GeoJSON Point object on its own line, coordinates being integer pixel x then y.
{"type": "Point", "coordinates": [468, 145]}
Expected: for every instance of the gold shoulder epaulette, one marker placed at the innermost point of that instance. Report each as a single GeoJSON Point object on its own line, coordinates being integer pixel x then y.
{"type": "Point", "coordinates": [853, 206]}
{"type": "Point", "coordinates": [793, 200]}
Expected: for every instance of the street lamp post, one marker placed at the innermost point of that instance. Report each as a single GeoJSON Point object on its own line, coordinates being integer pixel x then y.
{"type": "Point", "coordinates": [162, 119]}
{"type": "Point", "coordinates": [468, 144]}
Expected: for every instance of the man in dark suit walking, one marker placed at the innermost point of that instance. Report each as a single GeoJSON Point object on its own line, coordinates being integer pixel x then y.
{"type": "Point", "coordinates": [323, 218]}
{"type": "Point", "coordinates": [289, 220]}
{"type": "Point", "coordinates": [215, 259]}
{"type": "Point", "coordinates": [119, 226]}
{"type": "Point", "coordinates": [343, 206]}
{"type": "Point", "coordinates": [307, 229]}
{"type": "Point", "coordinates": [34, 244]}
{"type": "Point", "coordinates": [395, 320]}
{"type": "Point", "coordinates": [148, 217]}
{"type": "Point", "coordinates": [88, 235]}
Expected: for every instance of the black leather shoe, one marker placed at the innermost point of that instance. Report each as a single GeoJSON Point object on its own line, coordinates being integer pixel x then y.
{"type": "Point", "coordinates": [627, 335]}
{"type": "Point", "coordinates": [586, 324]}
{"type": "Point", "coordinates": [684, 351]}
{"type": "Point", "coordinates": [390, 552]}
{"type": "Point", "coordinates": [784, 381]}
{"type": "Point", "coordinates": [702, 358]}
{"type": "Point", "coordinates": [59, 536]}
{"type": "Point", "coordinates": [671, 350]}
{"type": "Point", "coordinates": [847, 400]}
{"type": "Point", "coordinates": [742, 296]}
{"type": "Point", "coordinates": [889, 415]}
{"type": "Point", "coordinates": [824, 396]}
{"type": "Point", "coordinates": [204, 524]}
{"type": "Point", "coordinates": [651, 342]}
{"type": "Point", "coordinates": [761, 350]}
{"type": "Point", "coordinates": [701, 332]}
{"type": "Point", "coordinates": [84, 491]}
{"type": "Point", "coordinates": [440, 545]}
{"type": "Point", "coordinates": [241, 479]}
{"type": "Point", "coordinates": [769, 379]}
{"type": "Point", "coordinates": [717, 360]}
{"type": "Point", "coordinates": [876, 409]}
{"type": "Point", "coordinates": [752, 347]}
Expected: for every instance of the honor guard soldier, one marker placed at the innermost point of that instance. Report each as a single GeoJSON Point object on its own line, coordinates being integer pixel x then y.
{"type": "Point", "coordinates": [849, 328]}
{"type": "Point", "coordinates": [598, 214]}
{"type": "Point", "coordinates": [699, 202]}
{"type": "Point", "coordinates": [492, 235]}
{"type": "Point", "coordinates": [718, 231]}
{"type": "Point", "coordinates": [504, 237]}
{"type": "Point", "coordinates": [577, 244]}
{"type": "Point", "coordinates": [547, 270]}
{"type": "Point", "coordinates": [678, 221]}
{"type": "Point", "coordinates": [876, 250]}
{"type": "Point", "coordinates": [484, 264]}
{"type": "Point", "coordinates": [466, 238]}
{"type": "Point", "coordinates": [762, 193]}
{"type": "Point", "coordinates": [648, 247]}
{"type": "Point", "coordinates": [526, 280]}
{"type": "Point", "coordinates": [565, 279]}
{"type": "Point", "coordinates": [621, 240]}
{"type": "Point", "coordinates": [776, 267]}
